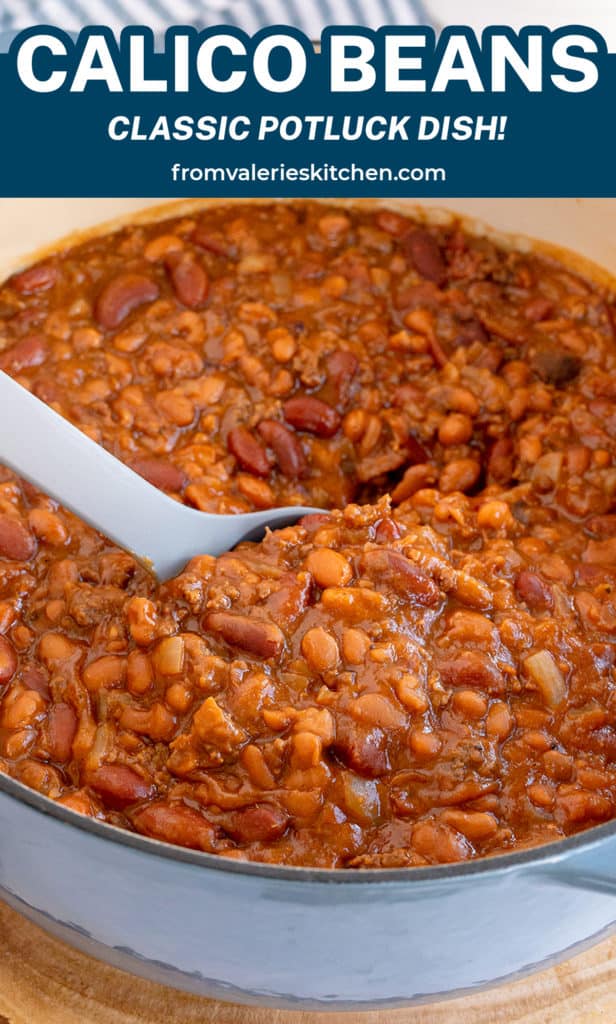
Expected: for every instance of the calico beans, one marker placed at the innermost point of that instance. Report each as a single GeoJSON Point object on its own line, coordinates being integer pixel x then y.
{"type": "Point", "coordinates": [421, 673]}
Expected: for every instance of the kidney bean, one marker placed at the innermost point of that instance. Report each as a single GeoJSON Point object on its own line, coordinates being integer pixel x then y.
{"type": "Point", "coordinates": [286, 447]}
{"type": "Point", "coordinates": [426, 254]}
{"type": "Point", "coordinates": [60, 730]}
{"type": "Point", "coordinates": [293, 594]}
{"type": "Point", "coordinates": [260, 823]}
{"type": "Point", "coordinates": [312, 415]}
{"type": "Point", "coordinates": [340, 367]}
{"type": "Point", "coordinates": [189, 279]}
{"type": "Point", "coordinates": [39, 278]}
{"type": "Point", "coordinates": [163, 475]}
{"type": "Point", "coordinates": [256, 636]}
{"type": "Point", "coordinates": [121, 296]}
{"type": "Point", "coordinates": [8, 661]}
{"type": "Point", "coordinates": [538, 309]}
{"type": "Point", "coordinates": [16, 542]}
{"type": "Point", "coordinates": [361, 748]}
{"type": "Point", "coordinates": [175, 822]}
{"type": "Point", "coordinates": [472, 669]}
{"type": "Point", "coordinates": [119, 785]}
{"type": "Point", "coordinates": [249, 452]}
{"type": "Point", "coordinates": [30, 350]}
{"type": "Point", "coordinates": [211, 242]}
{"type": "Point", "coordinates": [393, 567]}
{"type": "Point", "coordinates": [534, 591]}
{"type": "Point", "coordinates": [554, 365]}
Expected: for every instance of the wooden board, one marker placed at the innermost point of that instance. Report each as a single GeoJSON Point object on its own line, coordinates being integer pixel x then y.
{"type": "Point", "coordinates": [42, 981]}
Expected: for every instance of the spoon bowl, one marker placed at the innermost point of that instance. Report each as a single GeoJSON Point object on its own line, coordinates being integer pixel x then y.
{"type": "Point", "coordinates": [48, 451]}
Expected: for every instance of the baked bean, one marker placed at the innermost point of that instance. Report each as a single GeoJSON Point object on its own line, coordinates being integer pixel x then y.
{"type": "Point", "coordinates": [39, 278]}
{"type": "Point", "coordinates": [259, 637]}
{"type": "Point", "coordinates": [320, 649]}
{"type": "Point", "coordinates": [48, 526]}
{"type": "Point", "coordinates": [25, 353]}
{"type": "Point", "coordinates": [439, 843]}
{"type": "Point", "coordinates": [329, 568]}
{"type": "Point", "coordinates": [141, 618]}
{"type": "Point", "coordinates": [119, 785]}
{"type": "Point", "coordinates": [261, 823]}
{"type": "Point", "coordinates": [61, 727]}
{"type": "Point", "coordinates": [426, 255]}
{"type": "Point", "coordinates": [286, 448]}
{"type": "Point", "coordinates": [457, 428]}
{"type": "Point", "coordinates": [405, 577]}
{"type": "Point", "coordinates": [160, 474]}
{"type": "Point", "coordinates": [459, 475]}
{"type": "Point", "coordinates": [532, 589]}
{"type": "Point", "coordinates": [104, 673]}
{"type": "Point", "coordinates": [312, 415]}
{"type": "Point", "coordinates": [8, 661]}
{"type": "Point", "coordinates": [16, 541]}
{"type": "Point", "coordinates": [472, 669]}
{"type": "Point", "coordinates": [121, 296]}
{"type": "Point", "coordinates": [175, 822]}
{"type": "Point", "coordinates": [248, 451]}
{"type": "Point", "coordinates": [190, 281]}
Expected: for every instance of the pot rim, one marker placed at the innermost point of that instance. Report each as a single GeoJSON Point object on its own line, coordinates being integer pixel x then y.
{"type": "Point", "coordinates": [499, 863]}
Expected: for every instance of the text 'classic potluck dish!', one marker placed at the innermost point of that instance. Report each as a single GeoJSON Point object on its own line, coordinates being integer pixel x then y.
{"type": "Point", "coordinates": [421, 674]}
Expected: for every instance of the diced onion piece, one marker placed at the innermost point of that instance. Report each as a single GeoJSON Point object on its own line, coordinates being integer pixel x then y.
{"type": "Point", "coordinates": [361, 798]}
{"type": "Point", "coordinates": [544, 671]}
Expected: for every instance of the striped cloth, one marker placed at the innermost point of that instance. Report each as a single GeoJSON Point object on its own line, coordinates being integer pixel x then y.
{"type": "Point", "coordinates": [308, 15]}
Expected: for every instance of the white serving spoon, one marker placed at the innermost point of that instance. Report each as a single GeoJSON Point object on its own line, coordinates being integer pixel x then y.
{"type": "Point", "coordinates": [44, 448]}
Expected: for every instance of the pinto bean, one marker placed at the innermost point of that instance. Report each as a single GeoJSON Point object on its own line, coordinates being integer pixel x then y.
{"type": "Point", "coordinates": [30, 350]}
{"type": "Point", "coordinates": [312, 415]}
{"type": "Point", "coordinates": [426, 255]}
{"type": "Point", "coordinates": [61, 728]}
{"type": "Point", "coordinates": [8, 661]}
{"type": "Point", "coordinates": [16, 542]}
{"type": "Point", "coordinates": [121, 295]}
{"type": "Point", "coordinates": [407, 578]}
{"type": "Point", "coordinates": [286, 447]}
{"type": "Point", "coordinates": [175, 822]}
{"type": "Point", "coordinates": [189, 279]}
{"type": "Point", "coordinates": [39, 278]}
{"type": "Point", "coordinates": [119, 785]}
{"type": "Point", "coordinates": [534, 591]}
{"type": "Point", "coordinates": [260, 823]}
{"type": "Point", "coordinates": [249, 452]}
{"type": "Point", "coordinates": [256, 636]}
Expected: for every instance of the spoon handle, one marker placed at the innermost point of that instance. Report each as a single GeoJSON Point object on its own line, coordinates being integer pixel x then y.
{"type": "Point", "coordinates": [44, 448]}
{"type": "Point", "coordinates": [66, 464]}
